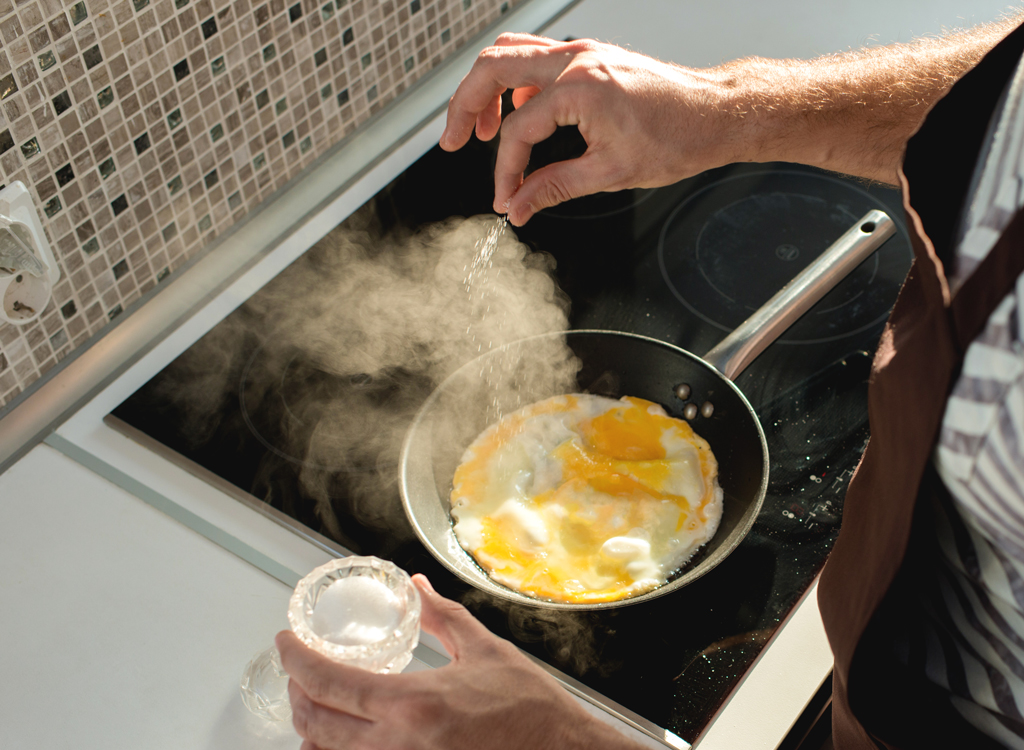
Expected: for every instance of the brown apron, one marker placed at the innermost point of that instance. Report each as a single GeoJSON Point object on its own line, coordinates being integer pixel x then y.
{"type": "Point", "coordinates": [885, 532]}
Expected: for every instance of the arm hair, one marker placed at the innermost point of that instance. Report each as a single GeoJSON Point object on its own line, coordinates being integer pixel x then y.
{"type": "Point", "coordinates": [851, 112]}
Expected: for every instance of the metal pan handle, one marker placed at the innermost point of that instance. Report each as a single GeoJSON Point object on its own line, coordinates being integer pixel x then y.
{"type": "Point", "coordinates": [741, 347]}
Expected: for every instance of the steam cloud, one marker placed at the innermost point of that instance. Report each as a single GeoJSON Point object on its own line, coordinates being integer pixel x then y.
{"type": "Point", "coordinates": [389, 317]}
{"type": "Point", "coordinates": [399, 311]}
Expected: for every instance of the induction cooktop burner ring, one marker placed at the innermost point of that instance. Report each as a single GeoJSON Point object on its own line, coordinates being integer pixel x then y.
{"type": "Point", "coordinates": [730, 245]}
{"type": "Point", "coordinates": [782, 249]}
{"type": "Point", "coordinates": [250, 423]}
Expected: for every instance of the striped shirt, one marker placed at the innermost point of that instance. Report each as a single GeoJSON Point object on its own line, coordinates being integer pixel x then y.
{"type": "Point", "coordinates": [971, 637]}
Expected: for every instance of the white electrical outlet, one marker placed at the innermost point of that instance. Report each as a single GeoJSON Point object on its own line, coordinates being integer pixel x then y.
{"type": "Point", "coordinates": [28, 270]}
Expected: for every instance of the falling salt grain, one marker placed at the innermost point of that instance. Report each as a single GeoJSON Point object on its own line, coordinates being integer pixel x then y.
{"type": "Point", "coordinates": [485, 249]}
{"type": "Point", "coordinates": [481, 266]}
{"type": "Point", "coordinates": [356, 611]}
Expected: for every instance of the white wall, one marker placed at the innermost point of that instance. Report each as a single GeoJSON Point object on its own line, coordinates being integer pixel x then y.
{"type": "Point", "coordinates": [706, 32]}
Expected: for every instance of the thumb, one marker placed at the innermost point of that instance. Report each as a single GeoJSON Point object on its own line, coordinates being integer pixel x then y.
{"type": "Point", "coordinates": [448, 621]}
{"type": "Point", "coordinates": [554, 184]}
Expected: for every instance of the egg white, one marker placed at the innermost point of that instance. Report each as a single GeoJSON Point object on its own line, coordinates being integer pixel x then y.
{"type": "Point", "coordinates": [582, 498]}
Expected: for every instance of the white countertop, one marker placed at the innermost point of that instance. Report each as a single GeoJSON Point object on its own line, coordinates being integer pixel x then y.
{"type": "Point", "coordinates": [123, 626]}
{"type": "Point", "coordinates": [700, 34]}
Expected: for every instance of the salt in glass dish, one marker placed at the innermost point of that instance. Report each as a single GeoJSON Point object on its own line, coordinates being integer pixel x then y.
{"type": "Point", "coordinates": [359, 611]}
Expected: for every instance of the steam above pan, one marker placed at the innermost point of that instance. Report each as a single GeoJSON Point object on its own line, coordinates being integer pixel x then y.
{"type": "Point", "coordinates": [331, 360]}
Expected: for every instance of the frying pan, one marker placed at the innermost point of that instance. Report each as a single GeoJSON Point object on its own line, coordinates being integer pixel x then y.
{"type": "Point", "coordinates": [614, 364]}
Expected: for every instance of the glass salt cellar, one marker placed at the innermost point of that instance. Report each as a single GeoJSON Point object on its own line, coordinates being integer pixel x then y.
{"type": "Point", "coordinates": [360, 611]}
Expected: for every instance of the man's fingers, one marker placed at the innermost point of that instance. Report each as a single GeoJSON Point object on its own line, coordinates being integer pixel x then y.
{"type": "Point", "coordinates": [321, 726]}
{"type": "Point", "coordinates": [350, 689]}
{"type": "Point", "coordinates": [478, 107]}
{"type": "Point", "coordinates": [503, 66]}
{"type": "Point", "coordinates": [554, 184]}
{"type": "Point", "coordinates": [532, 122]}
{"type": "Point", "coordinates": [513, 157]}
{"type": "Point", "coordinates": [449, 621]}
{"type": "Point", "coordinates": [488, 122]}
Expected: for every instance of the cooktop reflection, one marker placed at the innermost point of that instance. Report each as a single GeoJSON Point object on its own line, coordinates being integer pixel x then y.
{"type": "Point", "coordinates": [683, 264]}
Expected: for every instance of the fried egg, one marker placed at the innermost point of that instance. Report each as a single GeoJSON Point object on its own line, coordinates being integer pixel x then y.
{"type": "Point", "coordinates": [585, 499]}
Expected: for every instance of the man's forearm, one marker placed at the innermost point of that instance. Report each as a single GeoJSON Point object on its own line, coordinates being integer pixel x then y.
{"type": "Point", "coordinates": [851, 112]}
{"type": "Point", "coordinates": [648, 123]}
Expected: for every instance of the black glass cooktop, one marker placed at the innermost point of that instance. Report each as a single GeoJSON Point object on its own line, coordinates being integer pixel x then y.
{"type": "Point", "coordinates": [684, 264]}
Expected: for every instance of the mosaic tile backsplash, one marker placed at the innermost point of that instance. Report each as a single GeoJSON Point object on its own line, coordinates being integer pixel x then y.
{"type": "Point", "coordinates": [145, 128]}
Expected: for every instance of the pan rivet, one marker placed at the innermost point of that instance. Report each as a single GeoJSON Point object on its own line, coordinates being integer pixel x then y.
{"type": "Point", "coordinates": [682, 391]}
{"type": "Point", "coordinates": [707, 409]}
{"type": "Point", "coordinates": [690, 412]}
